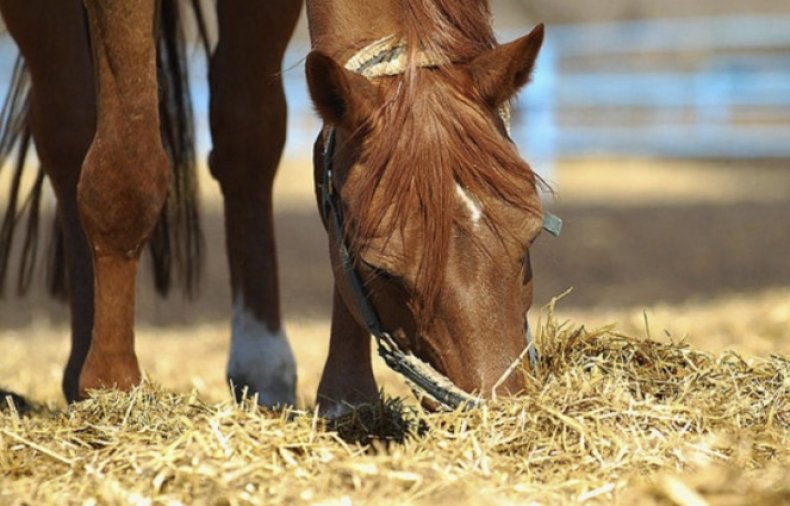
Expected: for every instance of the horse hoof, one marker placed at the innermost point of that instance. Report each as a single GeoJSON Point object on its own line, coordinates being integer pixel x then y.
{"type": "Point", "coordinates": [278, 393]}
{"type": "Point", "coordinates": [120, 371]}
{"type": "Point", "coordinates": [20, 404]}
{"type": "Point", "coordinates": [261, 363]}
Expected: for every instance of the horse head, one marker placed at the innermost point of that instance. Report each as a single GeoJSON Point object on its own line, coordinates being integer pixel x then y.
{"type": "Point", "coordinates": [436, 207]}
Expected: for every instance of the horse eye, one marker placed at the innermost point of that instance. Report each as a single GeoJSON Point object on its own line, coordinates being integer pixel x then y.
{"type": "Point", "coordinates": [383, 274]}
{"type": "Point", "coordinates": [379, 272]}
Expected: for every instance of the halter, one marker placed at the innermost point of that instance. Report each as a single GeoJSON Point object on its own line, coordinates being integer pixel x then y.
{"type": "Point", "coordinates": [387, 57]}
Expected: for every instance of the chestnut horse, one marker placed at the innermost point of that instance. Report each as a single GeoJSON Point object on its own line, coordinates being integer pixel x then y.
{"type": "Point", "coordinates": [430, 214]}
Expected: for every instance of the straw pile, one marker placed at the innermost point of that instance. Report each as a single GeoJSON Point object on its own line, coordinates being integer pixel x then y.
{"type": "Point", "coordinates": [607, 417]}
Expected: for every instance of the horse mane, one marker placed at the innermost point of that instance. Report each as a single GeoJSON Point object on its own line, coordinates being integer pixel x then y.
{"type": "Point", "coordinates": [419, 147]}
{"type": "Point", "coordinates": [458, 30]}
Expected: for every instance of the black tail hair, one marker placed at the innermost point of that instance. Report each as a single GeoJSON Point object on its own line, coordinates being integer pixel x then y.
{"type": "Point", "coordinates": [15, 136]}
{"type": "Point", "coordinates": [177, 240]}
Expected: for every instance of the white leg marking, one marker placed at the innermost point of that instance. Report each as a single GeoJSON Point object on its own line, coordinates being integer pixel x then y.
{"type": "Point", "coordinates": [260, 358]}
{"type": "Point", "coordinates": [475, 211]}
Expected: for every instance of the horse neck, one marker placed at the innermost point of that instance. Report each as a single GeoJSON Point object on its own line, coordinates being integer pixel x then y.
{"type": "Point", "coordinates": [339, 27]}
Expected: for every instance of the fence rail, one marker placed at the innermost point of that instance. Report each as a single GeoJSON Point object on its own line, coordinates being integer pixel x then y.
{"type": "Point", "coordinates": [689, 81]}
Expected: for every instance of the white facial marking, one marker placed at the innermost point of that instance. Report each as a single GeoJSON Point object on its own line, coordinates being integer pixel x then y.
{"type": "Point", "coordinates": [260, 359]}
{"type": "Point", "coordinates": [475, 211]}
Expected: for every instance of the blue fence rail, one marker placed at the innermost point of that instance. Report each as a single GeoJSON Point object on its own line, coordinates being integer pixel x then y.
{"type": "Point", "coordinates": [690, 83]}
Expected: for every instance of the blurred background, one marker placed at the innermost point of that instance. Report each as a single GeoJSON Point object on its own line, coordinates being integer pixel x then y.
{"type": "Point", "coordinates": [662, 127]}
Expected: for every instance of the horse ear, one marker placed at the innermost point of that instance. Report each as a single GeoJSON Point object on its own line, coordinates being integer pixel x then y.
{"type": "Point", "coordinates": [342, 97]}
{"type": "Point", "coordinates": [502, 71]}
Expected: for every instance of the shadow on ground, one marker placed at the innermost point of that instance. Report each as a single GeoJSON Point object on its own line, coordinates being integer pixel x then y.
{"type": "Point", "coordinates": [611, 256]}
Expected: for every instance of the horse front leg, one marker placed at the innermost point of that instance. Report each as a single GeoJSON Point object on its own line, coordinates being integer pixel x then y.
{"type": "Point", "coordinates": [347, 380]}
{"type": "Point", "coordinates": [248, 115]}
{"type": "Point", "coordinates": [123, 184]}
{"type": "Point", "coordinates": [62, 121]}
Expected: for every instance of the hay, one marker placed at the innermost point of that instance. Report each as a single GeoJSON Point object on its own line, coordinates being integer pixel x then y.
{"type": "Point", "coordinates": [606, 417]}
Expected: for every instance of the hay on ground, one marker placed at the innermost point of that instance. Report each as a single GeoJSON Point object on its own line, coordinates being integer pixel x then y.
{"type": "Point", "coordinates": [605, 417]}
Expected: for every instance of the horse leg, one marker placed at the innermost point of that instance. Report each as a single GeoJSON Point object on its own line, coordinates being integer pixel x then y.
{"type": "Point", "coordinates": [63, 119]}
{"type": "Point", "coordinates": [123, 184]}
{"type": "Point", "coordinates": [347, 379]}
{"type": "Point", "coordinates": [247, 117]}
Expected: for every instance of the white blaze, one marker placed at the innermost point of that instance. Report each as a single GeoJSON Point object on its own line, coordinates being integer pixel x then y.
{"type": "Point", "coordinates": [475, 211]}
{"type": "Point", "coordinates": [260, 358]}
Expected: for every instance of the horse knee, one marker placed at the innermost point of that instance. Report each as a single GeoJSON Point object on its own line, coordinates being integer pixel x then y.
{"type": "Point", "coordinates": [248, 131]}
{"type": "Point", "coordinates": [248, 111]}
{"type": "Point", "coordinates": [121, 192]}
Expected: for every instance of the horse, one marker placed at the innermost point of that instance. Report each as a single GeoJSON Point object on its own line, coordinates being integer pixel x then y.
{"type": "Point", "coordinates": [429, 209]}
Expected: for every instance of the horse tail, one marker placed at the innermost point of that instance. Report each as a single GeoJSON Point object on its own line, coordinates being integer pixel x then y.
{"type": "Point", "coordinates": [177, 237]}
{"type": "Point", "coordinates": [15, 137]}
{"type": "Point", "coordinates": [177, 240]}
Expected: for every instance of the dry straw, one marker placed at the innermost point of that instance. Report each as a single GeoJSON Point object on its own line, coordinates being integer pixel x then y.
{"type": "Point", "coordinates": [606, 418]}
